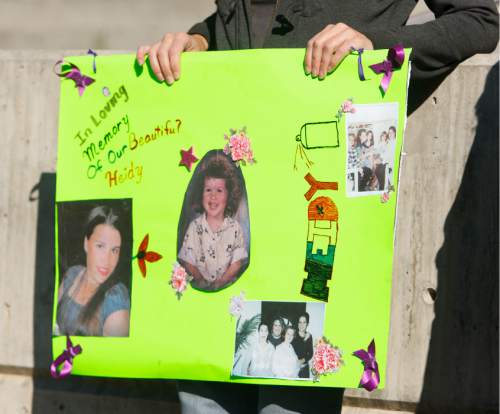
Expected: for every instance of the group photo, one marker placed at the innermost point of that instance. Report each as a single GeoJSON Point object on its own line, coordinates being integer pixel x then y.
{"type": "Point", "coordinates": [371, 144]}
{"type": "Point", "coordinates": [276, 339]}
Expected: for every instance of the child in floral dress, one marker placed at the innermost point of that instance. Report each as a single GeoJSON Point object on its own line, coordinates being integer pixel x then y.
{"type": "Point", "coordinates": [213, 251]}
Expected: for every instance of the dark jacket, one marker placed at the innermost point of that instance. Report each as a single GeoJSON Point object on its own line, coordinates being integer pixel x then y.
{"type": "Point", "coordinates": [462, 27]}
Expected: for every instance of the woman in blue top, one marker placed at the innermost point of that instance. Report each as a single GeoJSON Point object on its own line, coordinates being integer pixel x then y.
{"type": "Point", "coordinates": [92, 302]}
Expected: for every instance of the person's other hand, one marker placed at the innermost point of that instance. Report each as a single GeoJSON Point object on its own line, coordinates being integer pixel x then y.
{"type": "Point", "coordinates": [165, 55]}
{"type": "Point", "coordinates": [326, 49]}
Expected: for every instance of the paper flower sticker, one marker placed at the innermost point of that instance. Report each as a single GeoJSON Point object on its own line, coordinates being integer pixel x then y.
{"type": "Point", "coordinates": [65, 359]}
{"type": "Point", "coordinates": [346, 107]}
{"type": "Point", "coordinates": [179, 280]}
{"type": "Point", "coordinates": [144, 256]}
{"type": "Point", "coordinates": [236, 305]}
{"type": "Point", "coordinates": [327, 359]}
{"type": "Point", "coordinates": [384, 197]}
{"type": "Point", "coordinates": [239, 147]}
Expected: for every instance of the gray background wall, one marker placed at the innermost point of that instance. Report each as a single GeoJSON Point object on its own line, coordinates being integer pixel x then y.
{"type": "Point", "coordinates": [102, 24]}
{"type": "Point", "coordinates": [444, 327]}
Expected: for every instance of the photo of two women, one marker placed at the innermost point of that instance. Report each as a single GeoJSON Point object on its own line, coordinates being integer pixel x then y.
{"type": "Point", "coordinates": [276, 339]}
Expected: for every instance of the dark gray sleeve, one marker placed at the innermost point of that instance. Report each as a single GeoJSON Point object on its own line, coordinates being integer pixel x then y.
{"type": "Point", "coordinates": [206, 28]}
{"type": "Point", "coordinates": [462, 28]}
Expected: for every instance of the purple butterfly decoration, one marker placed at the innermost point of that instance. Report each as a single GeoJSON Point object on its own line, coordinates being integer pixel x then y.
{"type": "Point", "coordinates": [81, 81]}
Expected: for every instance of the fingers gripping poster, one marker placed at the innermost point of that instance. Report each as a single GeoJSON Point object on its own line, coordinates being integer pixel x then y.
{"type": "Point", "coordinates": [236, 226]}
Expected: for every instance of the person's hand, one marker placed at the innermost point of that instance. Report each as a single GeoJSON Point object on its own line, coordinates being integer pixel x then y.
{"type": "Point", "coordinates": [326, 49]}
{"type": "Point", "coordinates": [165, 55]}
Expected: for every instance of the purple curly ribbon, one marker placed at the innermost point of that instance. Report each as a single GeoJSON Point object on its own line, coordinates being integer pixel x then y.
{"type": "Point", "coordinates": [81, 81]}
{"type": "Point", "coordinates": [66, 359]}
{"type": "Point", "coordinates": [394, 60]}
{"type": "Point", "coordinates": [360, 63]}
{"type": "Point", "coordinates": [371, 377]}
{"type": "Point", "coordinates": [91, 52]}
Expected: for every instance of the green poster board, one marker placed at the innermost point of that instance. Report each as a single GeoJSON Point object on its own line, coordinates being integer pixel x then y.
{"type": "Point", "coordinates": [307, 227]}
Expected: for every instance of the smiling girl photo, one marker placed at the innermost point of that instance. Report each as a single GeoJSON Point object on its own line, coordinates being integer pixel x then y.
{"type": "Point", "coordinates": [215, 246]}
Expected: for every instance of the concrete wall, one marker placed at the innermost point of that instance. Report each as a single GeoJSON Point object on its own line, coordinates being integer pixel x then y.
{"type": "Point", "coordinates": [443, 347]}
{"type": "Point", "coordinates": [109, 24]}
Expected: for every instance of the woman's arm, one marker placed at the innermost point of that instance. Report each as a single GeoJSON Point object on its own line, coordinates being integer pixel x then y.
{"type": "Point", "coordinates": [117, 324]}
{"type": "Point", "coordinates": [460, 30]}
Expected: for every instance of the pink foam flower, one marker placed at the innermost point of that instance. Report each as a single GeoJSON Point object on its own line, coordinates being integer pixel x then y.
{"type": "Point", "coordinates": [179, 279]}
{"type": "Point", "coordinates": [348, 106]}
{"type": "Point", "coordinates": [239, 147]}
{"type": "Point", "coordinates": [326, 359]}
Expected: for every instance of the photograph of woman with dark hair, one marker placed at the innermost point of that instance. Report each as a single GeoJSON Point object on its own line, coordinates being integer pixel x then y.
{"type": "Point", "coordinates": [92, 301]}
{"type": "Point", "coordinates": [303, 345]}
{"type": "Point", "coordinates": [275, 336]}
{"type": "Point", "coordinates": [213, 250]}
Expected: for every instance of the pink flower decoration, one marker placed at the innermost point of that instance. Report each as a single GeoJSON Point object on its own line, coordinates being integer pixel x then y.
{"type": "Point", "coordinates": [348, 106]}
{"type": "Point", "coordinates": [236, 304]}
{"type": "Point", "coordinates": [384, 198]}
{"type": "Point", "coordinates": [239, 147]}
{"type": "Point", "coordinates": [326, 359]}
{"type": "Point", "coordinates": [179, 279]}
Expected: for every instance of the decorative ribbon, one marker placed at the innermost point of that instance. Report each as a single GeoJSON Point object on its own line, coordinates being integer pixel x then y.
{"type": "Point", "coordinates": [66, 359]}
{"type": "Point", "coordinates": [91, 52]}
{"type": "Point", "coordinates": [394, 60]}
{"type": "Point", "coordinates": [302, 152]}
{"type": "Point", "coordinates": [371, 377]}
{"type": "Point", "coordinates": [318, 185]}
{"type": "Point", "coordinates": [81, 81]}
{"type": "Point", "coordinates": [360, 63]}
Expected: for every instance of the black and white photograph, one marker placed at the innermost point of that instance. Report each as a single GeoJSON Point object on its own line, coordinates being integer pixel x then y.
{"type": "Point", "coordinates": [276, 339]}
{"type": "Point", "coordinates": [95, 245]}
{"type": "Point", "coordinates": [213, 237]}
{"type": "Point", "coordinates": [371, 143]}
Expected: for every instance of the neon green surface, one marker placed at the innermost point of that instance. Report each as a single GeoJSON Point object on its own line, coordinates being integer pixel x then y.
{"type": "Point", "coordinates": [268, 92]}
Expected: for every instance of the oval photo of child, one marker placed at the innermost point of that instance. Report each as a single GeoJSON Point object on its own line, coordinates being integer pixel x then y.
{"type": "Point", "coordinates": [213, 238]}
